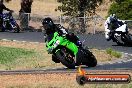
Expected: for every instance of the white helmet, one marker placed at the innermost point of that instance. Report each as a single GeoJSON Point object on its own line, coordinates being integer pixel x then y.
{"type": "Point", "coordinates": [113, 17]}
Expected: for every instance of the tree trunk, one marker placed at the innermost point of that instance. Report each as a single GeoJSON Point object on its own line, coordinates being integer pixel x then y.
{"type": "Point", "coordinates": [81, 7]}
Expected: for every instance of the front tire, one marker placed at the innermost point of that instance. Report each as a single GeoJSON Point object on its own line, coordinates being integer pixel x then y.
{"type": "Point", "coordinates": [127, 39]}
{"type": "Point", "coordinates": [54, 58]}
{"type": "Point", "coordinates": [92, 61]}
{"type": "Point", "coordinates": [68, 62]}
{"type": "Point", "coordinates": [118, 40]}
{"type": "Point", "coordinates": [17, 29]}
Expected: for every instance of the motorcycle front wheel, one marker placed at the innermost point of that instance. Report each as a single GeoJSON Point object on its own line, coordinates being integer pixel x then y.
{"type": "Point", "coordinates": [118, 40]}
{"type": "Point", "coordinates": [16, 29]}
{"type": "Point", "coordinates": [126, 38]}
{"type": "Point", "coordinates": [91, 59]}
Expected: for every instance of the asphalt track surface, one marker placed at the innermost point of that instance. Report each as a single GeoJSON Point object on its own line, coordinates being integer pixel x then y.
{"type": "Point", "coordinates": [92, 41]}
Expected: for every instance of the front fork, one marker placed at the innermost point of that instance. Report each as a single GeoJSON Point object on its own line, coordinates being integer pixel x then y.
{"type": "Point", "coordinates": [13, 24]}
{"type": "Point", "coordinates": [67, 55]}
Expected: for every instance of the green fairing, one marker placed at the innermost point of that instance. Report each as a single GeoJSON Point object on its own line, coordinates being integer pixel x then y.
{"type": "Point", "coordinates": [63, 42]}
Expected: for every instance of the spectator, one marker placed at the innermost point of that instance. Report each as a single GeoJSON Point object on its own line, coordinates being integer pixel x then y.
{"type": "Point", "coordinates": [24, 13]}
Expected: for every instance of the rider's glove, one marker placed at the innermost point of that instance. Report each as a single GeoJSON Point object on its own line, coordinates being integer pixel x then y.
{"type": "Point", "coordinates": [112, 31]}
{"type": "Point", "coordinates": [49, 50]}
{"type": "Point", "coordinates": [79, 43]}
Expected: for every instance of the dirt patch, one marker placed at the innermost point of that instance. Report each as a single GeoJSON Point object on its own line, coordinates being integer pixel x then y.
{"type": "Point", "coordinates": [59, 80]}
{"type": "Point", "coordinates": [40, 7]}
{"type": "Point", "coordinates": [100, 53]}
{"type": "Point", "coordinates": [26, 45]}
{"type": "Point", "coordinates": [29, 80]}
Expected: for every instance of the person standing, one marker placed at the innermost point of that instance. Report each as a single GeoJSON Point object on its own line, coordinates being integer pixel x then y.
{"type": "Point", "coordinates": [24, 13]}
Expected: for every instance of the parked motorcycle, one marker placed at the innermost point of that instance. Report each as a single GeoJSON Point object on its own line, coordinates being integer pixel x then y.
{"type": "Point", "coordinates": [9, 23]}
{"type": "Point", "coordinates": [68, 53]}
{"type": "Point", "coordinates": [121, 35]}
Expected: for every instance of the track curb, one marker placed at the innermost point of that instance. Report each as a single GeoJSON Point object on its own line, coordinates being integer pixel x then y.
{"type": "Point", "coordinates": [20, 41]}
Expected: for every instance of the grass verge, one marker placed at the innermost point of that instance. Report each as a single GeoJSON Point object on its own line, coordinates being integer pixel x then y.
{"type": "Point", "coordinates": [114, 53]}
{"type": "Point", "coordinates": [25, 55]}
{"type": "Point", "coordinates": [8, 54]}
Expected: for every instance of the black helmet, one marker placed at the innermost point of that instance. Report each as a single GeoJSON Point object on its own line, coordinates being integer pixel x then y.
{"type": "Point", "coordinates": [47, 23]}
{"type": "Point", "coordinates": [1, 1]}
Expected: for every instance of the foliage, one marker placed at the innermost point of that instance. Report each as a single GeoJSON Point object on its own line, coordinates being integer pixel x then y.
{"type": "Point", "coordinates": [122, 9]}
{"type": "Point", "coordinates": [78, 7]}
{"type": "Point", "coordinates": [113, 53]}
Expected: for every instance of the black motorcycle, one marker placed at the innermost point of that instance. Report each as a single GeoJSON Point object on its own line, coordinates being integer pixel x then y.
{"type": "Point", "coordinates": [9, 23]}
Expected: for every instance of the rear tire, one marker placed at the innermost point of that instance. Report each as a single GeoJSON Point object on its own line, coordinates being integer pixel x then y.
{"type": "Point", "coordinates": [64, 60]}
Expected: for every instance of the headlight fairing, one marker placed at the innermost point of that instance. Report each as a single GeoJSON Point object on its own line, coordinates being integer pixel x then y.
{"type": "Point", "coordinates": [56, 43]}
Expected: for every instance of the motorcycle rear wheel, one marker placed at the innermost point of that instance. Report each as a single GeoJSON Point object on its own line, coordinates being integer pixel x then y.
{"type": "Point", "coordinates": [65, 61]}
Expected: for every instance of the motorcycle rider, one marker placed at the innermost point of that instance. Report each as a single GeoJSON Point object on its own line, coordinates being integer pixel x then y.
{"type": "Point", "coordinates": [50, 28]}
{"type": "Point", "coordinates": [2, 7]}
{"type": "Point", "coordinates": [111, 24]}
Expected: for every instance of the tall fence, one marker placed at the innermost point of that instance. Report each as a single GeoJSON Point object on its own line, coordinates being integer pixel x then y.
{"type": "Point", "coordinates": [92, 24]}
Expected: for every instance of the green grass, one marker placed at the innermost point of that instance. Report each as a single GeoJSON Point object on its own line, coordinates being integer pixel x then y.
{"type": "Point", "coordinates": [114, 53]}
{"type": "Point", "coordinates": [8, 55]}
{"type": "Point", "coordinates": [21, 58]}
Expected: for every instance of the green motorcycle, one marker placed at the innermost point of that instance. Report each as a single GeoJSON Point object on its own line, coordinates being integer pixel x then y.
{"type": "Point", "coordinates": [68, 53]}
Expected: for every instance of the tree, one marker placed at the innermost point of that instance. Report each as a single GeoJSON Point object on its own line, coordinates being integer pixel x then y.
{"type": "Point", "coordinates": [77, 8]}
{"type": "Point", "coordinates": [122, 9]}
